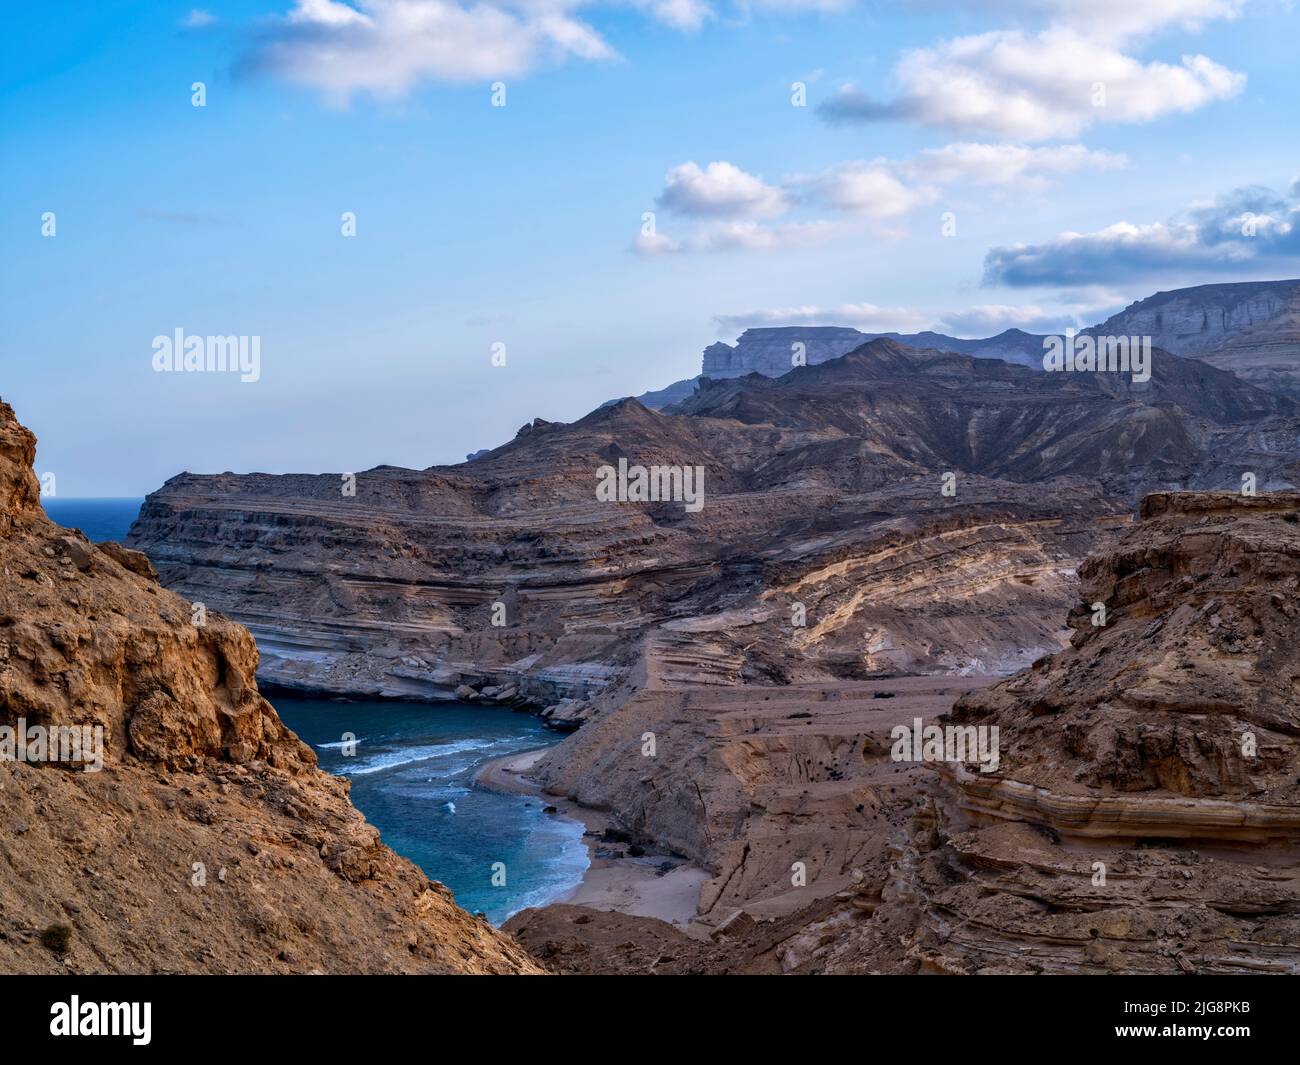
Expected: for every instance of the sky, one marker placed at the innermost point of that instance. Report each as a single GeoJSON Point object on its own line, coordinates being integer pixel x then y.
{"type": "Point", "coordinates": [558, 202]}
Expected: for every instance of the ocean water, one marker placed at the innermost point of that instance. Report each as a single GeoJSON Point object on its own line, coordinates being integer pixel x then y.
{"type": "Point", "coordinates": [99, 519]}
{"type": "Point", "coordinates": [412, 774]}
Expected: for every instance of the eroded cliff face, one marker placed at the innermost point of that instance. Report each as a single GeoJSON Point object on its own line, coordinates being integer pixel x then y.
{"type": "Point", "coordinates": [208, 841]}
{"type": "Point", "coordinates": [822, 494]}
{"type": "Point", "coordinates": [1143, 815]}
{"type": "Point", "coordinates": [1250, 328]}
{"type": "Point", "coordinates": [770, 351]}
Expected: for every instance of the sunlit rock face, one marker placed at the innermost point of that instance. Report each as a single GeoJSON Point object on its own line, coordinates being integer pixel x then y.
{"type": "Point", "coordinates": [1250, 328]}
{"type": "Point", "coordinates": [192, 811]}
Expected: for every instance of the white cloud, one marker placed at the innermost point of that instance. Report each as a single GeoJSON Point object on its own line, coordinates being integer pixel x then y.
{"type": "Point", "coordinates": [881, 192]}
{"type": "Point", "coordinates": [872, 190]}
{"type": "Point", "coordinates": [798, 6]}
{"type": "Point", "coordinates": [751, 236]}
{"type": "Point", "coordinates": [865, 316]}
{"type": "Point", "coordinates": [1037, 86]}
{"type": "Point", "coordinates": [990, 319]}
{"type": "Point", "coordinates": [199, 19]}
{"type": "Point", "coordinates": [1007, 164]}
{"type": "Point", "coordinates": [1247, 229]}
{"type": "Point", "coordinates": [651, 244]}
{"type": "Point", "coordinates": [720, 190]}
{"type": "Point", "coordinates": [1116, 19]}
{"type": "Point", "coordinates": [388, 47]}
{"type": "Point", "coordinates": [686, 15]}
{"type": "Point", "coordinates": [1071, 310]}
{"type": "Point", "coordinates": [738, 236]}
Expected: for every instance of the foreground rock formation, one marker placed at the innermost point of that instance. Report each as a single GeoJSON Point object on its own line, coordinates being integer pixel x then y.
{"type": "Point", "coordinates": [1144, 815]}
{"type": "Point", "coordinates": [826, 549]}
{"type": "Point", "coordinates": [209, 841]}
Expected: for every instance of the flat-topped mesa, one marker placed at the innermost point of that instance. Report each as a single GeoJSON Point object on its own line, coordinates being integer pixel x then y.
{"type": "Point", "coordinates": [1175, 712]}
{"type": "Point", "coordinates": [774, 350]}
{"type": "Point", "coordinates": [168, 761]}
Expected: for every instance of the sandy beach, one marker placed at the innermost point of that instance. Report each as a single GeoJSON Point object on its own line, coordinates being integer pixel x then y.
{"type": "Point", "coordinates": [636, 886]}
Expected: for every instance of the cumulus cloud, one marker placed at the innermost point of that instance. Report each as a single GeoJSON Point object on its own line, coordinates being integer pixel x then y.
{"type": "Point", "coordinates": [387, 47]}
{"type": "Point", "coordinates": [654, 243]}
{"type": "Point", "coordinates": [720, 190]}
{"type": "Point", "coordinates": [686, 15]}
{"type": "Point", "coordinates": [798, 6]}
{"type": "Point", "coordinates": [1035, 86]}
{"type": "Point", "coordinates": [990, 319]}
{"type": "Point", "coordinates": [1116, 19]}
{"type": "Point", "coordinates": [752, 236]}
{"type": "Point", "coordinates": [1007, 164]}
{"type": "Point", "coordinates": [877, 193]}
{"type": "Point", "coordinates": [738, 236]}
{"type": "Point", "coordinates": [864, 316]}
{"type": "Point", "coordinates": [199, 19]}
{"type": "Point", "coordinates": [1247, 229]}
{"type": "Point", "coordinates": [872, 189]}
{"type": "Point", "coordinates": [979, 321]}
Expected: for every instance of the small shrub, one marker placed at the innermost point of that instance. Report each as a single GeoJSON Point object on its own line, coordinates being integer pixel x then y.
{"type": "Point", "coordinates": [58, 938]}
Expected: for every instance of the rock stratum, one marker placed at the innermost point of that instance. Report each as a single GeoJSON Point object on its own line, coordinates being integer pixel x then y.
{"type": "Point", "coordinates": [1251, 328]}
{"type": "Point", "coordinates": [1144, 816]}
{"type": "Point", "coordinates": [769, 350]}
{"type": "Point", "coordinates": [826, 549]}
{"type": "Point", "coordinates": [208, 842]}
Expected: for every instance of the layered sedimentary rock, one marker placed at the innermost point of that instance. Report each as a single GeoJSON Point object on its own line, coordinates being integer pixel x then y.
{"type": "Point", "coordinates": [1251, 328]}
{"type": "Point", "coordinates": [771, 351]}
{"type": "Point", "coordinates": [1143, 814]}
{"type": "Point", "coordinates": [203, 838]}
{"type": "Point", "coordinates": [835, 492]}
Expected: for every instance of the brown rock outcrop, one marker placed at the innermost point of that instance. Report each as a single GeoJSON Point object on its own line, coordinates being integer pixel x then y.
{"type": "Point", "coordinates": [1145, 811]}
{"type": "Point", "coordinates": [822, 488]}
{"type": "Point", "coordinates": [208, 841]}
{"type": "Point", "coordinates": [1142, 817]}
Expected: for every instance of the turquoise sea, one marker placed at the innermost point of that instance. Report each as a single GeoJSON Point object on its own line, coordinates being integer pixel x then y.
{"type": "Point", "coordinates": [412, 771]}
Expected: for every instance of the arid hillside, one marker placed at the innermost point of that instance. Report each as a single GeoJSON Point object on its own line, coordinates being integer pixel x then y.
{"type": "Point", "coordinates": [208, 841]}
{"type": "Point", "coordinates": [1143, 815]}
{"type": "Point", "coordinates": [891, 510]}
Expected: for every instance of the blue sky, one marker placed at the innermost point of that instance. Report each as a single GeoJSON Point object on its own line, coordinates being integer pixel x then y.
{"type": "Point", "coordinates": [522, 225]}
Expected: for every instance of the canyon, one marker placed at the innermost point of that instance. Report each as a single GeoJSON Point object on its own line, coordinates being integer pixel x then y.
{"type": "Point", "coordinates": [1143, 818]}
{"type": "Point", "coordinates": [893, 510]}
{"type": "Point", "coordinates": [889, 535]}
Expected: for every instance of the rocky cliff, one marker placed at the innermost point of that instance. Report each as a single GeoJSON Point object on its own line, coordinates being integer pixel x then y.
{"type": "Point", "coordinates": [1143, 815]}
{"type": "Point", "coordinates": [1251, 328]}
{"type": "Point", "coordinates": [207, 841]}
{"type": "Point", "coordinates": [824, 494]}
{"type": "Point", "coordinates": [769, 350]}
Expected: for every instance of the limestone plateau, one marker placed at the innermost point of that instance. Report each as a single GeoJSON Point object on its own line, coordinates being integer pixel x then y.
{"type": "Point", "coordinates": [209, 841]}
{"type": "Point", "coordinates": [1251, 328]}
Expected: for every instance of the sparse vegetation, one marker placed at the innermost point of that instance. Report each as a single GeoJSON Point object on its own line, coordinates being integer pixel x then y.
{"type": "Point", "coordinates": [58, 938]}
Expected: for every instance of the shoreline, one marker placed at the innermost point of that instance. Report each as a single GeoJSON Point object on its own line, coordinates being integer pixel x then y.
{"type": "Point", "coordinates": [637, 886]}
